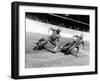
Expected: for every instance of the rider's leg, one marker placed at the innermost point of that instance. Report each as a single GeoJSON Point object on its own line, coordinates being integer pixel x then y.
{"type": "Point", "coordinates": [77, 51]}
{"type": "Point", "coordinates": [56, 47]}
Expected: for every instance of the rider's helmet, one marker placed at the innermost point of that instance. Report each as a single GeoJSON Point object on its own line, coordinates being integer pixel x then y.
{"type": "Point", "coordinates": [58, 31]}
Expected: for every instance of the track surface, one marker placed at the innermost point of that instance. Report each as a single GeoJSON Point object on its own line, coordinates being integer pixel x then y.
{"type": "Point", "coordinates": [43, 58]}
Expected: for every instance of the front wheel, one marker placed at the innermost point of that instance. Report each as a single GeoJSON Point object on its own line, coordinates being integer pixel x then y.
{"type": "Point", "coordinates": [40, 44]}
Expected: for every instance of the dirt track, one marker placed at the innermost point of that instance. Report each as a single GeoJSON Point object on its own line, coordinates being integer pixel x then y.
{"type": "Point", "coordinates": [37, 59]}
{"type": "Point", "coordinates": [47, 59]}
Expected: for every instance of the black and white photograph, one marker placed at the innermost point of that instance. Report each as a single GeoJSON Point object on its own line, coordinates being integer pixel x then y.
{"type": "Point", "coordinates": [50, 40]}
{"type": "Point", "coordinates": [56, 40]}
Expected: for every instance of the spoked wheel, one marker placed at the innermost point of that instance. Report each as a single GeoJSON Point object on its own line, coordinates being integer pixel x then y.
{"type": "Point", "coordinates": [40, 44]}
{"type": "Point", "coordinates": [65, 49]}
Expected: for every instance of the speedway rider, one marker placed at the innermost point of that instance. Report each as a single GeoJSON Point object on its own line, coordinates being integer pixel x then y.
{"type": "Point", "coordinates": [78, 38]}
{"type": "Point", "coordinates": [54, 37]}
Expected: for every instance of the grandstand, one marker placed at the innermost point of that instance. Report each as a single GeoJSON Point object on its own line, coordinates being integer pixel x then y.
{"type": "Point", "coordinates": [76, 22]}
